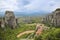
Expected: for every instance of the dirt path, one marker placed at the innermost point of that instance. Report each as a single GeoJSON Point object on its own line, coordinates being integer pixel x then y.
{"type": "Point", "coordinates": [26, 32]}
{"type": "Point", "coordinates": [39, 31]}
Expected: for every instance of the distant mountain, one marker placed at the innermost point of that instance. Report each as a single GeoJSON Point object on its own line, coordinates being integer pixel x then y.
{"type": "Point", "coordinates": [31, 14]}
{"type": "Point", "coordinates": [18, 14]}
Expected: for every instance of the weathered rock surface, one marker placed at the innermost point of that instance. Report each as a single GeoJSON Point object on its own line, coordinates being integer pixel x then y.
{"type": "Point", "coordinates": [10, 19]}
{"type": "Point", "coordinates": [2, 23]}
{"type": "Point", "coordinates": [53, 19]}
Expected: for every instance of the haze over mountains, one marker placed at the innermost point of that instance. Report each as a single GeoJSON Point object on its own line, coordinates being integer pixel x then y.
{"type": "Point", "coordinates": [18, 14]}
{"type": "Point", "coordinates": [29, 7]}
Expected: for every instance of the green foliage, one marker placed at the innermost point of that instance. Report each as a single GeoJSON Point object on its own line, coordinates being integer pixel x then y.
{"type": "Point", "coordinates": [52, 34]}
{"type": "Point", "coordinates": [30, 19]}
{"type": "Point", "coordinates": [10, 34]}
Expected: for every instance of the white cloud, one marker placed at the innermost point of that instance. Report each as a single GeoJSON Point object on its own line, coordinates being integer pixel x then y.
{"type": "Point", "coordinates": [45, 5]}
{"type": "Point", "coordinates": [8, 5]}
{"type": "Point", "coordinates": [51, 5]}
{"type": "Point", "coordinates": [34, 5]}
{"type": "Point", "coordinates": [29, 5]}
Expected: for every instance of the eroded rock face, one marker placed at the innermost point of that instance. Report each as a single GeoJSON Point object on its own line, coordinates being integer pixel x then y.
{"type": "Point", "coordinates": [54, 18]}
{"type": "Point", "coordinates": [10, 19]}
{"type": "Point", "coordinates": [57, 17]}
{"type": "Point", "coordinates": [2, 23]}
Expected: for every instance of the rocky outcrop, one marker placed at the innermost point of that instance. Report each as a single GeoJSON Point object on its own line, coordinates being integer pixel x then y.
{"type": "Point", "coordinates": [2, 23]}
{"type": "Point", "coordinates": [10, 19]}
{"type": "Point", "coordinates": [56, 18]}
{"type": "Point", "coordinates": [53, 19]}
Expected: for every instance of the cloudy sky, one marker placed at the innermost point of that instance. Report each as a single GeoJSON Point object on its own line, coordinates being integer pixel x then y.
{"type": "Point", "coordinates": [29, 5]}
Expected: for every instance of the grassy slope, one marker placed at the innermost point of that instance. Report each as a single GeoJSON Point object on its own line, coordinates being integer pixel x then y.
{"type": "Point", "coordinates": [51, 34]}
{"type": "Point", "coordinates": [11, 34]}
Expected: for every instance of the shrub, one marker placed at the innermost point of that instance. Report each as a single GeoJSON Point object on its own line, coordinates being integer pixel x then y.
{"type": "Point", "coordinates": [52, 34]}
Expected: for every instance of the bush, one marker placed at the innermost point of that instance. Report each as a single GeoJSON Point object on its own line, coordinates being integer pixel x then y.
{"type": "Point", "coordinates": [52, 34]}
{"type": "Point", "coordinates": [10, 34]}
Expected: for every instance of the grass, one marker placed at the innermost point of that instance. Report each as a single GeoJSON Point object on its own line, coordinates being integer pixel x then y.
{"type": "Point", "coordinates": [51, 34]}
{"type": "Point", "coordinates": [10, 34]}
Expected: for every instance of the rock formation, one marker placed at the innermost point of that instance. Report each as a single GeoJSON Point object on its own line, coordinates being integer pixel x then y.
{"type": "Point", "coordinates": [2, 23]}
{"type": "Point", "coordinates": [10, 19]}
{"type": "Point", "coordinates": [53, 18]}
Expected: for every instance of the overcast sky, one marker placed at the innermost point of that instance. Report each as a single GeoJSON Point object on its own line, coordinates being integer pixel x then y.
{"type": "Point", "coordinates": [29, 5]}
